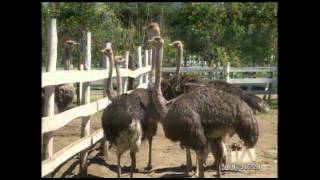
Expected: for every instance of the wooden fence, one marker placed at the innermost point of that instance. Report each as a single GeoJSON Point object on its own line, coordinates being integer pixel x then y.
{"type": "Point", "coordinates": [51, 122]}
{"type": "Point", "coordinates": [226, 73]}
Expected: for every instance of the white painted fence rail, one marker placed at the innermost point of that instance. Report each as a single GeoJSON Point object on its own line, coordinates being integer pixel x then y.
{"type": "Point", "coordinates": [227, 70]}
{"type": "Point", "coordinates": [62, 77]}
{"type": "Point", "coordinates": [220, 69]}
{"type": "Point", "coordinates": [52, 122]}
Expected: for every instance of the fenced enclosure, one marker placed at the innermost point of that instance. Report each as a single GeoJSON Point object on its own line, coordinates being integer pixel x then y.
{"type": "Point", "coordinates": [51, 122]}
{"type": "Point", "coordinates": [227, 73]}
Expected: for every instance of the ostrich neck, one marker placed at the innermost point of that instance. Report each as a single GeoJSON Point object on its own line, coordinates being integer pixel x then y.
{"type": "Point", "coordinates": [178, 62]}
{"type": "Point", "coordinates": [159, 100]}
{"type": "Point", "coordinates": [119, 79]}
{"type": "Point", "coordinates": [68, 58]}
{"type": "Point", "coordinates": [154, 56]}
{"type": "Point", "coordinates": [109, 81]}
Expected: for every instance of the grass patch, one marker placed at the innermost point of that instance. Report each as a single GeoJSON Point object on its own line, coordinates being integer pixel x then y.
{"type": "Point", "coordinates": [272, 115]}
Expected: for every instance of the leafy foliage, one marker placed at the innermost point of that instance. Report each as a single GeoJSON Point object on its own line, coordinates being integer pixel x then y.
{"type": "Point", "coordinates": [241, 33]}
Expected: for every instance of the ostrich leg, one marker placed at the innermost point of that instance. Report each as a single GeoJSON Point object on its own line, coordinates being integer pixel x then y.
{"type": "Point", "coordinates": [133, 163]}
{"type": "Point", "coordinates": [149, 166]}
{"type": "Point", "coordinates": [119, 165]}
{"type": "Point", "coordinates": [217, 148]}
{"type": "Point", "coordinates": [189, 161]}
{"type": "Point", "coordinates": [200, 160]}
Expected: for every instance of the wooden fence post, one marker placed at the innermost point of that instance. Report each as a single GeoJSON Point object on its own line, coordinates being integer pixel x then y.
{"type": "Point", "coordinates": [227, 72]}
{"type": "Point", "coordinates": [79, 88]}
{"type": "Point", "coordinates": [125, 82]}
{"type": "Point", "coordinates": [146, 60]}
{"type": "Point", "coordinates": [85, 125]}
{"type": "Point", "coordinates": [139, 64]}
{"type": "Point", "coordinates": [47, 140]}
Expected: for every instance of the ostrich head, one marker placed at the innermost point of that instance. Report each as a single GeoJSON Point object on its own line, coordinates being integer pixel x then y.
{"type": "Point", "coordinates": [71, 43]}
{"type": "Point", "coordinates": [264, 106]}
{"type": "Point", "coordinates": [156, 41]}
{"type": "Point", "coordinates": [119, 59]}
{"type": "Point", "coordinates": [152, 29]}
{"type": "Point", "coordinates": [107, 50]}
{"type": "Point", "coordinates": [259, 104]}
{"type": "Point", "coordinates": [176, 44]}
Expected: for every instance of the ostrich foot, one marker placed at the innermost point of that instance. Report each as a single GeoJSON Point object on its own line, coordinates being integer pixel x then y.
{"type": "Point", "coordinates": [148, 168]}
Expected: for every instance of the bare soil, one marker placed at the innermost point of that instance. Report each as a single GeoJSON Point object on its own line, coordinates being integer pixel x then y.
{"type": "Point", "coordinates": [168, 158]}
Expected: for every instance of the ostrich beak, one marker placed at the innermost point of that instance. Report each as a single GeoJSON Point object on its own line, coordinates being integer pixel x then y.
{"type": "Point", "coordinates": [145, 28]}
{"type": "Point", "coordinates": [150, 41]}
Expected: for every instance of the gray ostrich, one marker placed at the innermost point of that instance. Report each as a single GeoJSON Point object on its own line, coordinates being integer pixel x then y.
{"type": "Point", "coordinates": [64, 94]}
{"type": "Point", "coordinates": [188, 83]}
{"type": "Point", "coordinates": [107, 51]}
{"type": "Point", "coordinates": [128, 120]}
{"type": "Point", "coordinates": [202, 116]}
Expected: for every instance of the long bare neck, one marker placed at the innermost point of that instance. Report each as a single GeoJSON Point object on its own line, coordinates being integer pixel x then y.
{"type": "Point", "coordinates": [178, 62]}
{"type": "Point", "coordinates": [109, 82]}
{"type": "Point", "coordinates": [119, 79]}
{"type": "Point", "coordinates": [68, 58]}
{"type": "Point", "coordinates": [154, 56]}
{"type": "Point", "coordinates": [158, 99]}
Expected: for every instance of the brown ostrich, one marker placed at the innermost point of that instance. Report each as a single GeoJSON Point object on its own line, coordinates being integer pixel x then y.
{"type": "Point", "coordinates": [186, 83]}
{"type": "Point", "coordinates": [107, 51]}
{"type": "Point", "coordinates": [202, 116]}
{"type": "Point", "coordinates": [69, 48]}
{"type": "Point", "coordinates": [128, 120]}
{"type": "Point", "coordinates": [64, 93]}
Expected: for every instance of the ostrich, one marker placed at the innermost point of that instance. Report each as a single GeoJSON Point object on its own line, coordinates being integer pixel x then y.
{"type": "Point", "coordinates": [128, 120]}
{"type": "Point", "coordinates": [64, 94]}
{"type": "Point", "coordinates": [186, 83]}
{"type": "Point", "coordinates": [63, 97]}
{"type": "Point", "coordinates": [202, 116]}
{"type": "Point", "coordinates": [107, 51]}
{"type": "Point", "coordinates": [70, 45]}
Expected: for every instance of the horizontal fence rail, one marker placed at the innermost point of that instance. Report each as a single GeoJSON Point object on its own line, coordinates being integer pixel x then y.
{"type": "Point", "coordinates": [253, 81]}
{"type": "Point", "coordinates": [191, 69]}
{"type": "Point", "coordinates": [63, 77]}
{"type": "Point", "coordinates": [69, 151]}
{"type": "Point", "coordinates": [220, 69]}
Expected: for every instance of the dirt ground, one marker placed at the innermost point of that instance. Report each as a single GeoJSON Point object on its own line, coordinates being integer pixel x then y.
{"type": "Point", "coordinates": [168, 158]}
